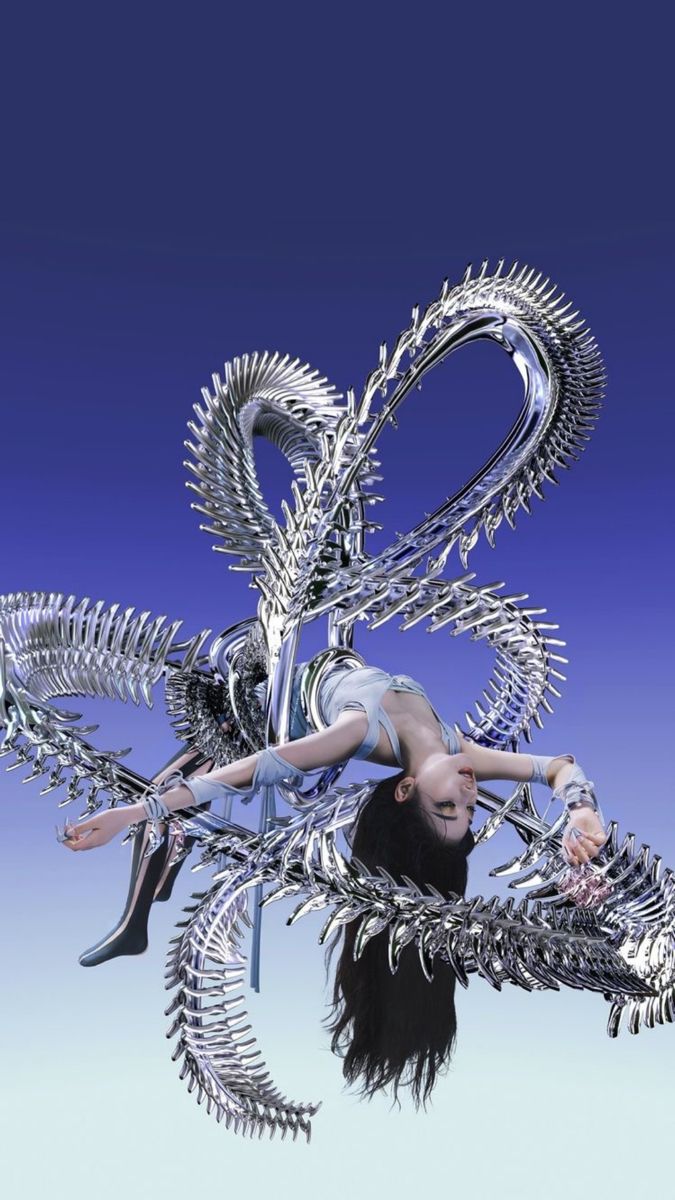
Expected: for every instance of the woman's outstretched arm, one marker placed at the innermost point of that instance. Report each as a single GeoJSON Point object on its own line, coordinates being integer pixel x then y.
{"type": "Point", "coordinates": [505, 764]}
{"type": "Point", "coordinates": [584, 833]}
{"type": "Point", "coordinates": [335, 744]}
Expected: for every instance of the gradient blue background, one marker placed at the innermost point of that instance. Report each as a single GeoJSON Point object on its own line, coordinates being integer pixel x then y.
{"type": "Point", "coordinates": [182, 188]}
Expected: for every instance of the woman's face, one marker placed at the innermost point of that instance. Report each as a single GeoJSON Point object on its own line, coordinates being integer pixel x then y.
{"type": "Point", "coordinates": [447, 790]}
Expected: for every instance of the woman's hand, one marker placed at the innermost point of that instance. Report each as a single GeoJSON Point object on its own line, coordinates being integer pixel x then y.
{"type": "Point", "coordinates": [581, 847]}
{"type": "Point", "coordinates": [96, 830]}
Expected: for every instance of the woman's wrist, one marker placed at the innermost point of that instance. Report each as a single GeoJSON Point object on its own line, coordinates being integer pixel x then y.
{"type": "Point", "coordinates": [578, 793]}
{"type": "Point", "coordinates": [135, 813]}
{"type": "Point", "coordinates": [174, 798]}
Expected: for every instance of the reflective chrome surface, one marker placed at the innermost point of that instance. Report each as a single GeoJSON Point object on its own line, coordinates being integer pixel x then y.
{"type": "Point", "coordinates": [315, 564]}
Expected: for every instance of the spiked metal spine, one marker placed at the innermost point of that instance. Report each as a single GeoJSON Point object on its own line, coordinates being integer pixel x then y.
{"type": "Point", "coordinates": [316, 564]}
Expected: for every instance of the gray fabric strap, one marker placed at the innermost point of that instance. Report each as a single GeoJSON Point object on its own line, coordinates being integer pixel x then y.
{"type": "Point", "coordinates": [270, 768]}
{"type": "Point", "coordinates": [204, 789]}
{"type": "Point", "coordinates": [576, 787]}
{"type": "Point", "coordinates": [451, 738]}
{"type": "Point", "coordinates": [539, 766]}
{"type": "Point", "coordinates": [156, 810]}
{"type": "Point", "coordinates": [386, 721]}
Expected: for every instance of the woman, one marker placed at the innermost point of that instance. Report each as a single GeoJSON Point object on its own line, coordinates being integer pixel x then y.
{"type": "Point", "coordinates": [415, 823]}
{"type": "Point", "coordinates": [152, 878]}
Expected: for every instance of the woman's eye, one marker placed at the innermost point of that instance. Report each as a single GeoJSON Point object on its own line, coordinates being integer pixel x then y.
{"type": "Point", "coordinates": [451, 804]}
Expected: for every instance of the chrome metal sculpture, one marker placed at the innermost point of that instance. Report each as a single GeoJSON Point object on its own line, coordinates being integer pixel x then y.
{"type": "Point", "coordinates": [316, 564]}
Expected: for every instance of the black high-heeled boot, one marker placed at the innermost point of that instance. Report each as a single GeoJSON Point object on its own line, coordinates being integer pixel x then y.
{"type": "Point", "coordinates": [149, 881]}
{"type": "Point", "coordinates": [130, 935]}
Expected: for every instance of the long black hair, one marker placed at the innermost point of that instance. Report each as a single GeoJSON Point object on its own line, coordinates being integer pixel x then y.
{"type": "Point", "coordinates": [397, 1029]}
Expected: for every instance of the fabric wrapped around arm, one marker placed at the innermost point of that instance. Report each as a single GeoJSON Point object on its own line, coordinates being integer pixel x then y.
{"type": "Point", "coordinates": [576, 787]}
{"type": "Point", "coordinates": [270, 768]}
{"type": "Point", "coordinates": [539, 767]}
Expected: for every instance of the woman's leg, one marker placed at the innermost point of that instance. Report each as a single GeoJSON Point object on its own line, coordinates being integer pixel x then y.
{"type": "Point", "coordinates": [178, 839]}
{"type": "Point", "coordinates": [151, 878]}
{"type": "Point", "coordinates": [130, 934]}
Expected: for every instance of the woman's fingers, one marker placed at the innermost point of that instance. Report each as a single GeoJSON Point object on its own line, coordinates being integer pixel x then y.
{"type": "Point", "coordinates": [570, 844]}
{"type": "Point", "coordinates": [96, 830]}
{"type": "Point", "coordinates": [84, 836]}
{"type": "Point", "coordinates": [570, 847]}
{"type": "Point", "coordinates": [84, 826]}
{"type": "Point", "coordinates": [80, 839]}
{"type": "Point", "coordinates": [575, 849]}
{"type": "Point", "coordinates": [594, 842]}
{"type": "Point", "coordinates": [581, 847]}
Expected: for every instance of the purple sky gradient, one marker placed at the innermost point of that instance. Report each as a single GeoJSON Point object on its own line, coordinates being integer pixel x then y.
{"type": "Point", "coordinates": [181, 189]}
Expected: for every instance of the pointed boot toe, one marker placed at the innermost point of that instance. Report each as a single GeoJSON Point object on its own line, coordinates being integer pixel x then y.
{"type": "Point", "coordinates": [130, 935]}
